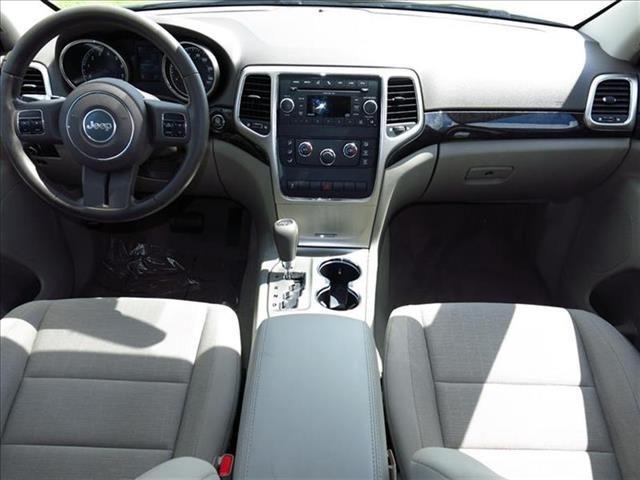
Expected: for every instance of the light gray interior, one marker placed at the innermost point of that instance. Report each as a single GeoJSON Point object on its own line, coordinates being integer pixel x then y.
{"type": "Point", "coordinates": [115, 386]}
{"type": "Point", "coordinates": [496, 329]}
{"type": "Point", "coordinates": [458, 377]}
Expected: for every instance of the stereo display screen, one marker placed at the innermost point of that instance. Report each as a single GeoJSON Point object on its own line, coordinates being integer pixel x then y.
{"type": "Point", "coordinates": [328, 105]}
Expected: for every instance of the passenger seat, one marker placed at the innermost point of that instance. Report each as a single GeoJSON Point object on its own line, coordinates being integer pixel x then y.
{"type": "Point", "coordinates": [483, 391]}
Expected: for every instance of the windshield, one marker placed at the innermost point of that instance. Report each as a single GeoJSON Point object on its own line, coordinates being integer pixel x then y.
{"type": "Point", "coordinates": [564, 12]}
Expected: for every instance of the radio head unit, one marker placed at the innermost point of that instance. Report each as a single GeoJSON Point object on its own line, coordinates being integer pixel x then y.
{"type": "Point", "coordinates": [328, 100]}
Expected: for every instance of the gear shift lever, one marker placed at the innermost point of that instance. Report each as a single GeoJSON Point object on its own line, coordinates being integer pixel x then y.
{"type": "Point", "coordinates": [285, 234]}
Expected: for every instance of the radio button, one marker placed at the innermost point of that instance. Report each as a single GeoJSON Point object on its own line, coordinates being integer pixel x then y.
{"type": "Point", "coordinates": [350, 150]}
{"type": "Point", "coordinates": [327, 157]}
{"type": "Point", "coordinates": [370, 107]}
{"type": "Point", "coordinates": [326, 186]}
{"type": "Point", "coordinates": [305, 149]}
{"type": "Point", "coordinates": [287, 105]}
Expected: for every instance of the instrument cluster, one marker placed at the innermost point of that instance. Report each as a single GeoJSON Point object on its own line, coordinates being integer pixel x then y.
{"type": "Point", "coordinates": [137, 62]}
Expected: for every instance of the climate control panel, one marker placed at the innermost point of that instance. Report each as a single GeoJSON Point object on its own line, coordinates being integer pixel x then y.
{"type": "Point", "coordinates": [321, 152]}
{"type": "Point", "coordinates": [328, 135]}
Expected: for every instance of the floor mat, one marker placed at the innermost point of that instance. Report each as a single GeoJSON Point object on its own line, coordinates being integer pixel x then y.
{"type": "Point", "coordinates": [464, 253]}
{"type": "Point", "coordinates": [197, 251]}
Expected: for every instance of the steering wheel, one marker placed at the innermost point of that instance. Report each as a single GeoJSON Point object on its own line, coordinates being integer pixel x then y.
{"type": "Point", "coordinates": [106, 125]}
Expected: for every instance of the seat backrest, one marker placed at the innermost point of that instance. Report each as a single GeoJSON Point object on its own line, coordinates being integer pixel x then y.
{"type": "Point", "coordinates": [113, 387]}
{"type": "Point", "coordinates": [498, 376]}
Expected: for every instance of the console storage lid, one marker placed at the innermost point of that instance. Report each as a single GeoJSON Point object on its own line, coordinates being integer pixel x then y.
{"type": "Point", "coordinates": [313, 405]}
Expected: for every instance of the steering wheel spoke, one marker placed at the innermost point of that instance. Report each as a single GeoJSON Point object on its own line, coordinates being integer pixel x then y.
{"type": "Point", "coordinates": [169, 123]}
{"type": "Point", "coordinates": [108, 190]}
{"type": "Point", "coordinates": [37, 121]}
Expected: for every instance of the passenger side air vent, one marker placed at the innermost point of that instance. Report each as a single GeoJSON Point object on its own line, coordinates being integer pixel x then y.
{"type": "Point", "coordinates": [33, 83]}
{"type": "Point", "coordinates": [255, 103]}
{"type": "Point", "coordinates": [612, 102]}
{"type": "Point", "coordinates": [402, 105]}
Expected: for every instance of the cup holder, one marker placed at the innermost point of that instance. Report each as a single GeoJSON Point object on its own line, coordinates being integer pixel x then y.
{"type": "Point", "coordinates": [338, 295]}
{"type": "Point", "coordinates": [339, 270]}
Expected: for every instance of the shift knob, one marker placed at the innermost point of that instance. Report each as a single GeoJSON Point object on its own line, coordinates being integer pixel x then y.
{"type": "Point", "coordinates": [285, 234]}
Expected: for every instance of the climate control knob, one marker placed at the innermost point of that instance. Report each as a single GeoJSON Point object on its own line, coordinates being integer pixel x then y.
{"type": "Point", "coordinates": [327, 157]}
{"type": "Point", "coordinates": [370, 107]}
{"type": "Point", "coordinates": [287, 105]}
{"type": "Point", "coordinates": [350, 150]}
{"type": "Point", "coordinates": [305, 149]}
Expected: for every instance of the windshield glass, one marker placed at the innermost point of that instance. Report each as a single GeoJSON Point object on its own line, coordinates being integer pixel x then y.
{"type": "Point", "coordinates": [565, 12]}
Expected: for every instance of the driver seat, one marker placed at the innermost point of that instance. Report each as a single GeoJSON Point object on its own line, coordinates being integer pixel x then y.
{"type": "Point", "coordinates": [108, 388]}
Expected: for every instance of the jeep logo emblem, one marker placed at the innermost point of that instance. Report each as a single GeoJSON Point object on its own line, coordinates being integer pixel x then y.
{"type": "Point", "coordinates": [99, 126]}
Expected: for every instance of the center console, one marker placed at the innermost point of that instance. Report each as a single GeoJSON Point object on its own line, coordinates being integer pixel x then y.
{"type": "Point", "coordinates": [328, 135]}
{"type": "Point", "coordinates": [327, 132]}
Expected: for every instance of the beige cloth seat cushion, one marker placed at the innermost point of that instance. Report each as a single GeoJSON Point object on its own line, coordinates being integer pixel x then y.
{"type": "Point", "coordinates": [109, 388]}
{"type": "Point", "coordinates": [511, 391]}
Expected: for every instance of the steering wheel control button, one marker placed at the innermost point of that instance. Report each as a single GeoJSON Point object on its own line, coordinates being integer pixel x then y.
{"type": "Point", "coordinates": [327, 157]}
{"type": "Point", "coordinates": [174, 125]}
{"type": "Point", "coordinates": [305, 149]}
{"type": "Point", "coordinates": [287, 105]}
{"type": "Point", "coordinates": [99, 126]}
{"type": "Point", "coordinates": [30, 122]}
{"type": "Point", "coordinates": [370, 107]}
{"type": "Point", "coordinates": [350, 150]}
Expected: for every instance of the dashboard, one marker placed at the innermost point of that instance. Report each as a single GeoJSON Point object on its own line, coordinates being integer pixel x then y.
{"type": "Point", "coordinates": [326, 102]}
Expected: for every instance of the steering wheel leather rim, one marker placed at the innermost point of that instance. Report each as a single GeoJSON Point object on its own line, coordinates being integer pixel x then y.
{"type": "Point", "coordinates": [197, 114]}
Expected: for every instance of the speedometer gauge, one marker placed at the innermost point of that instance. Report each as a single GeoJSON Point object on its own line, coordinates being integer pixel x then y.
{"type": "Point", "coordinates": [204, 61]}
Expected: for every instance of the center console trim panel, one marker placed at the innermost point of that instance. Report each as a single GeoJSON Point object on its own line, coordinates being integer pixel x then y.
{"type": "Point", "coordinates": [341, 234]}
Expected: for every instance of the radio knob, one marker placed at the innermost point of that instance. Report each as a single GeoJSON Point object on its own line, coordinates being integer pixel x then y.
{"type": "Point", "coordinates": [327, 157]}
{"type": "Point", "coordinates": [350, 150]}
{"type": "Point", "coordinates": [287, 105]}
{"type": "Point", "coordinates": [305, 149]}
{"type": "Point", "coordinates": [370, 107]}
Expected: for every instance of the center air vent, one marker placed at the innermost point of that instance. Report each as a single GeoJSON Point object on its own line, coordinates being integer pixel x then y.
{"type": "Point", "coordinates": [612, 102]}
{"type": "Point", "coordinates": [255, 103]}
{"type": "Point", "coordinates": [402, 105]}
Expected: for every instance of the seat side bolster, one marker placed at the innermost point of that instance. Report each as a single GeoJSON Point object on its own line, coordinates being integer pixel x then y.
{"type": "Point", "coordinates": [183, 468]}
{"type": "Point", "coordinates": [409, 387]}
{"type": "Point", "coordinates": [615, 365]}
{"type": "Point", "coordinates": [18, 332]}
{"type": "Point", "coordinates": [213, 391]}
{"type": "Point", "coordinates": [447, 464]}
